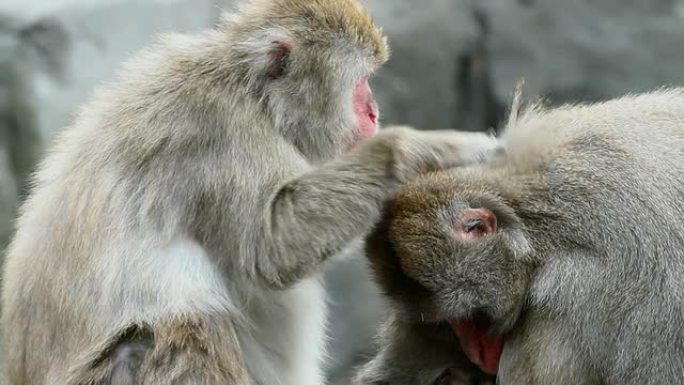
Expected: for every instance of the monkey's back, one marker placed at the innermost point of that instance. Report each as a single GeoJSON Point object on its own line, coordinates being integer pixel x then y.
{"type": "Point", "coordinates": [613, 155]}
{"type": "Point", "coordinates": [648, 126]}
{"type": "Point", "coordinates": [608, 225]}
{"type": "Point", "coordinates": [616, 166]}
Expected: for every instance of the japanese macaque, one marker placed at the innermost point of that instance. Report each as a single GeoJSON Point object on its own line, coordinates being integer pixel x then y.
{"type": "Point", "coordinates": [559, 260]}
{"type": "Point", "coordinates": [175, 233]}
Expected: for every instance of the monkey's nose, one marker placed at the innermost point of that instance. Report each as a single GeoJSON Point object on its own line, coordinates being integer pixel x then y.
{"type": "Point", "coordinates": [373, 111]}
{"type": "Point", "coordinates": [373, 117]}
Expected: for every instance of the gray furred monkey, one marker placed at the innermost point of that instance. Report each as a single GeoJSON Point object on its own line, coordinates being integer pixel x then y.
{"type": "Point", "coordinates": [175, 233]}
{"type": "Point", "coordinates": [557, 261]}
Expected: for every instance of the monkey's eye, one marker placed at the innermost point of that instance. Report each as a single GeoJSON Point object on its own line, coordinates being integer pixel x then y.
{"type": "Point", "coordinates": [471, 224]}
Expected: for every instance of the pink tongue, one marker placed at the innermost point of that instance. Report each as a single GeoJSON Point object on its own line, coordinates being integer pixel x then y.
{"type": "Point", "coordinates": [482, 351]}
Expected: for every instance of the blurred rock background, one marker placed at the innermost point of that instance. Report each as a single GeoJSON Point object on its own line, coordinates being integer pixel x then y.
{"type": "Point", "coordinates": [454, 64]}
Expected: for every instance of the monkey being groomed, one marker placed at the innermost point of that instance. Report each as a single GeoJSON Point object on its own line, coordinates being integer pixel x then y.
{"type": "Point", "coordinates": [560, 260]}
{"type": "Point", "coordinates": [175, 233]}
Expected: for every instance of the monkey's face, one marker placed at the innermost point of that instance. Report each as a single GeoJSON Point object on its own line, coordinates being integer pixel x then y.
{"type": "Point", "coordinates": [458, 255]}
{"type": "Point", "coordinates": [326, 109]}
{"type": "Point", "coordinates": [313, 74]}
{"type": "Point", "coordinates": [366, 112]}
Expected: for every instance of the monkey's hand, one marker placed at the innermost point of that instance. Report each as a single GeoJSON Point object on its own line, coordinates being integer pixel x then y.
{"type": "Point", "coordinates": [416, 152]}
{"type": "Point", "coordinates": [418, 354]}
{"type": "Point", "coordinates": [316, 214]}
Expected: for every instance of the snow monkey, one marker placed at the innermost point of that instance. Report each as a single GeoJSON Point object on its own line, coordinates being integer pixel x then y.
{"type": "Point", "coordinates": [176, 231]}
{"type": "Point", "coordinates": [559, 260]}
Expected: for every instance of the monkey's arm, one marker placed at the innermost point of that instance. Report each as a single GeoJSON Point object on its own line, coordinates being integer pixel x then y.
{"type": "Point", "coordinates": [315, 215]}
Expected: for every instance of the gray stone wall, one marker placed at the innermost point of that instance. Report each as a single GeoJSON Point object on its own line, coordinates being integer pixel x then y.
{"type": "Point", "coordinates": [454, 64]}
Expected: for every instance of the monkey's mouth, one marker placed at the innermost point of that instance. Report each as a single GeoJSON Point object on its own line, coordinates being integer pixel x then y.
{"type": "Point", "coordinates": [481, 348]}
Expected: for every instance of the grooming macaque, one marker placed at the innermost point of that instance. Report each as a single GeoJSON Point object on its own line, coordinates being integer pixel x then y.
{"type": "Point", "coordinates": [175, 233]}
{"type": "Point", "coordinates": [559, 260]}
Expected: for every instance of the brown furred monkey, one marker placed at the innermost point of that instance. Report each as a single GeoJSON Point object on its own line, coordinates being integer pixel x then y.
{"type": "Point", "coordinates": [558, 261]}
{"type": "Point", "coordinates": [175, 233]}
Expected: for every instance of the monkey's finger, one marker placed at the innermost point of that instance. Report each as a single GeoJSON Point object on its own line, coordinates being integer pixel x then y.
{"type": "Point", "coordinates": [460, 148]}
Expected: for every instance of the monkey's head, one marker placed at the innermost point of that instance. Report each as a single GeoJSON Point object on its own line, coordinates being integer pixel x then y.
{"type": "Point", "coordinates": [450, 251]}
{"type": "Point", "coordinates": [308, 62]}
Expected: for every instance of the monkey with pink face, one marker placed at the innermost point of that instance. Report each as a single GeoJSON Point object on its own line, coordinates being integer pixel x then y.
{"type": "Point", "coordinates": [558, 260]}
{"type": "Point", "coordinates": [175, 232]}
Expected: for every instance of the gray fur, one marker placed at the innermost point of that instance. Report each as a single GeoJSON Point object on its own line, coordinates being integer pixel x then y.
{"type": "Point", "coordinates": [585, 274]}
{"type": "Point", "coordinates": [175, 232]}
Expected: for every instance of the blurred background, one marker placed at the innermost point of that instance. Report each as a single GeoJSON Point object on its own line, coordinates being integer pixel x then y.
{"type": "Point", "coordinates": [455, 64]}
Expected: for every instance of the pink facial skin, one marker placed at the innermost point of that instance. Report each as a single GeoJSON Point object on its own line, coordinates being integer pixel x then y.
{"type": "Point", "coordinates": [366, 111]}
{"type": "Point", "coordinates": [473, 224]}
{"type": "Point", "coordinates": [482, 350]}
{"type": "Point", "coordinates": [480, 346]}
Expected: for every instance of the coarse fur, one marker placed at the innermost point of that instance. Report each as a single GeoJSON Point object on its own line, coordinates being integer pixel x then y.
{"type": "Point", "coordinates": [584, 272]}
{"type": "Point", "coordinates": [175, 232]}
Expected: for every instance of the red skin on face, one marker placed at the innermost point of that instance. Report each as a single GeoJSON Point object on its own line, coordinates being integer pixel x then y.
{"type": "Point", "coordinates": [366, 111]}
{"type": "Point", "coordinates": [475, 341]}
{"type": "Point", "coordinates": [474, 337]}
{"type": "Point", "coordinates": [485, 224]}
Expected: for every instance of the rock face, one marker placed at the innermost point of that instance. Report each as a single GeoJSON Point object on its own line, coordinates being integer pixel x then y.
{"type": "Point", "coordinates": [66, 47]}
{"type": "Point", "coordinates": [431, 44]}
{"type": "Point", "coordinates": [454, 64]}
{"type": "Point", "coordinates": [8, 196]}
{"type": "Point", "coordinates": [584, 50]}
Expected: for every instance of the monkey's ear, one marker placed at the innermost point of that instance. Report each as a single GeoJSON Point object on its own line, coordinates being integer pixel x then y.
{"type": "Point", "coordinates": [279, 56]}
{"type": "Point", "coordinates": [471, 224]}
